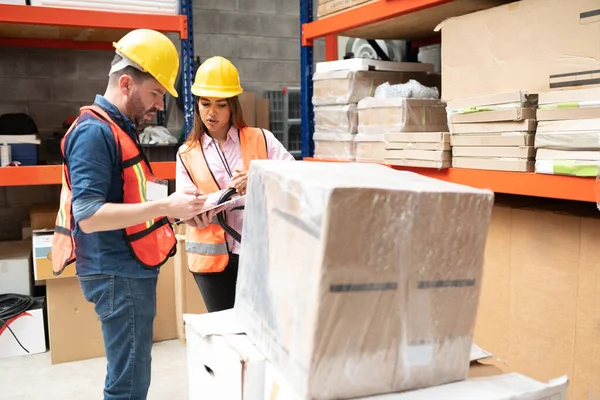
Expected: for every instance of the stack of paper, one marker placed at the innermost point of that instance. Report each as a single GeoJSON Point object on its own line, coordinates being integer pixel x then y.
{"type": "Point", "coordinates": [379, 118]}
{"type": "Point", "coordinates": [568, 134]}
{"type": "Point", "coordinates": [493, 132]}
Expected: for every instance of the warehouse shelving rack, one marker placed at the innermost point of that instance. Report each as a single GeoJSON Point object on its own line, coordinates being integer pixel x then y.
{"type": "Point", "coordinates": [49, 27]}
{"type": "Point", "coordinates": [415, 20]}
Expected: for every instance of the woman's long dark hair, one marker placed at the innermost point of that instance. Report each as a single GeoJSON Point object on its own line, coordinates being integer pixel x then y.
{"type": "Point", "coordinates": [236, 119]}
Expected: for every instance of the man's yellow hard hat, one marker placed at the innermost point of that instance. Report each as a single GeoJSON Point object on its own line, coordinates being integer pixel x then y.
{"type": "Point", "coordinates": [217, 77]}
{"type": "Point", "coordinates": [154, 53]}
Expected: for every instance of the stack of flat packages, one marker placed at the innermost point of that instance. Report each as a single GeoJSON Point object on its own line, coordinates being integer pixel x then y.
{"type": "Point", "coordinates": [494, 132]}
{"type": "Point", "coordinates": [335, 127]}
{"type": "Point", "coordinates": [568, 133]}
{"type": "Point", "coordinates": [342, 310]}
{"type": "Point", "coordinates": [340, 85]}
{"type": "Point", "coordinates": [399, 119]}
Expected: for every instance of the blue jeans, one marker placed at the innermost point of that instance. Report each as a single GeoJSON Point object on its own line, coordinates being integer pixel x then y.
{"type": "Point", "coordinates": [126, 308]}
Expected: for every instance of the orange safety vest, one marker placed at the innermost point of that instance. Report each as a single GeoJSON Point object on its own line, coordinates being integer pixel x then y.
{"type": "Point", "coordinates": [151, 242]}
{"type": "Point", "coordinates": [207, 249]}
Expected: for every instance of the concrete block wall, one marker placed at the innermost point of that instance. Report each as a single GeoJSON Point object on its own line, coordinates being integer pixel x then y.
{"type": "Point", "coordinates": [261, 37]}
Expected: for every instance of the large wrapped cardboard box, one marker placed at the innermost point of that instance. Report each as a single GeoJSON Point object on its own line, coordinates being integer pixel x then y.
{"type": "Point", "coordinates": [334, 146]}
{"type": "Point", "coordinates": [533, 45]}
{"type": "Point", "coordinates": [388, 115]}
{"type": "Point", "coordinates": [336, 119]}
{"type": "Point", "coordinates": [356, 279]}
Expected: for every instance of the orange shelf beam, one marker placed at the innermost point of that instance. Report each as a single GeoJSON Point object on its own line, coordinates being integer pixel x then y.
{"type": "Point", "coordinates": [363, 15]}
{"type": "Point", "coordinates": [51, 16]}
{"type": "Point", "coordinates": [55, 44]}
{"type": "Point", "coordinates": [518, 183]}
{"type": "Point", "coordinates": [51, 174]}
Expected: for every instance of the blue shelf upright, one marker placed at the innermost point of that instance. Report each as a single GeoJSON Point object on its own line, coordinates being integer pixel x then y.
{"type": "Point", "coordinates": [306, 74]}
{"type": "Point", "coordinates": [187, 65]}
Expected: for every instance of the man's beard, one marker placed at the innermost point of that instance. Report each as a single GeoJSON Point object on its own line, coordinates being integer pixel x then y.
{"type": "Point", "coordinates": [136, 109]}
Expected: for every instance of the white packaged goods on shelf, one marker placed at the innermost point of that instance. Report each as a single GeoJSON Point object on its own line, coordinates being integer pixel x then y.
{"type": "Point", "coordinates": [411, 89]}
{"type": "Point", "coordinates": [581, 168]}
{"type": "Point", "coordinates": [377, 116]}
{"type": "Point", "coordinates": [343, 310]}
{"type": "Point", "coordinates": [498, 107]}
{"type": "Point", "coordinates": [348, 87]}
{"type": "Point", "coordinates": [334, 146]}
{"type": "Point", "coordinates": [366, 64]}
{"type": "Point", "coordinates": [170, 7]}
{"type": "Point", "coordinates": [494, 164]}
{"type": "Point", "coordinates": [336, 119]}
{"type": "Point", "coordinates": [370, 148]}
{"type": "Point", "coordinates": [494, 139]}
{"type": "Point", "coordinates": [14, 2]}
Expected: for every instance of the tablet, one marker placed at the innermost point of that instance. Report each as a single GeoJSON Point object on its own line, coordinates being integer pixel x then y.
{"type": "Point", "coordinates": [231, 203]}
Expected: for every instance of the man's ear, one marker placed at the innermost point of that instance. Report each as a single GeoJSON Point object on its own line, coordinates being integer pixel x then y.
{"type": "Point", "coordinates": [125, 84]}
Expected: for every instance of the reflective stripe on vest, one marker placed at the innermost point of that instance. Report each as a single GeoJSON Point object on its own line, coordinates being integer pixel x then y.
{"type": "Point", "coordinates": [207, 249]}
{"type": "Point", "coordinates": [151, 242]}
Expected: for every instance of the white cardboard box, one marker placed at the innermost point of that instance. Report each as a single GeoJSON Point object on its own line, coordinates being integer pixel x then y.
{"type": "Point", "coordinates": [497, 387]}
{"type": "Point", "coordinates": [223, 364]}
{"type": "Point", "coordinates": [29, 328]}
{"type": "Point", "coordinates": [15, 267]}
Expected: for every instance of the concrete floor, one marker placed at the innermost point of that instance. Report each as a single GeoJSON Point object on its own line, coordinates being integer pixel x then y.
{"type": "Point", "coordinates": [34, 377]}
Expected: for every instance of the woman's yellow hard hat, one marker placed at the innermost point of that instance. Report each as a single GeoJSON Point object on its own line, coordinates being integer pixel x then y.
{"type": "Point", "coordinates": [154, 52]}
{"type": "Point", "coordinates": [217, 77]}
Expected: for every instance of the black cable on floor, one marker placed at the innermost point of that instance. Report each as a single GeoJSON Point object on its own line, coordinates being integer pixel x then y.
{"type": "Point", "coordinates": [12, 305]}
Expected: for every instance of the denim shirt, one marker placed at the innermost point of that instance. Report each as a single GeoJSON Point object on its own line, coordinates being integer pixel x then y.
{"type": "Point", "coordinates": [94, 170]}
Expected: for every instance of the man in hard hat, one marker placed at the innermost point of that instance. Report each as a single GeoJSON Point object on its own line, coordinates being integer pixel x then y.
{"type": "Point", "coordinates": [114, 216]}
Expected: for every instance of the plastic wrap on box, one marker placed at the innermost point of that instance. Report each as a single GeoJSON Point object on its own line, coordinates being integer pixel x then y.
{"type": "Point", "coordinates": [334, 146]}
{"type": "Point", "coordinates": [401, 115]}
{"type": "Point", "coordinates": [348, 87]}
{"type": "Point", "coordinates": [336, 119]}
{"type": "Point", "coordinates": [356, 279]}
{"type": "Point", "coordinates": [410, 89]}
{"type": "Point", "coordinates": [370, 148]}
{"type": "Point", "coordinates": [582, 140]}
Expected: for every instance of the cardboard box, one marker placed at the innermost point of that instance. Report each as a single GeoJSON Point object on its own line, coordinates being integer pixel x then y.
{"type": "Point", "coordinates": [367, 64]}
{"type": "Point", "coordinates": [263, 116]}
{"type": "Point", "coordinates": [42, 257]}
{"type": "Point", "coordinates": [248, 103]}
{"type": "Point", "coordinates": [392, 115]}
{"type": "Point", "coordinates": [43, 216]}
{"type": "Point", "coordinates": [517, 306]}
{"type": "Point", "coordinates": [370, 148]}
{"type": "Point", "coordinates": [439, 146]}
{"type": "Point", "coordinates": [585, 140]}
{"type": "Point", "coordinates": [495, 152]}
{"type": "Point", "coordinates": [494, 164]}
{"type": "Point", "coordinates": [569, 96]}
{"type": "Point", "coordinates": [527, 125]}
{"type": "Point", "coordinates": [188, 299]}
{"type": "Point", "coordinates": [502, 139]}
{"type": "Point", "coordinates": [334, 146]}
{"type": "Point", "coordinates": [73, 326]}
{"type": "Point", "coordinates": [349, 87]}
{"type": "Point", "coordinates": [417, 137]}
{"type": "Point", "coordinates": [29, 328]}
{"type": "Point", "coordinates": [549, 154]}
{"type": "Point", "coordinates": [336, 119]}
{"type": "Point", "coordinates": [513, 114]}
{"type": "Point", "coordinates": [580, 168]}
{"type": "Point", "coordinates": [418, 163]}
{"type": "Point", "coordinates": [568, 113]}
{"type": "Point", "coordinates": [575, 125]}
{"type": "Point", "coordinates": [521, 98]}
{"type": "Point", "coordinates": [309, 281]}
{"type": "Point", "coordinates": [15, 267]}
{"type": "Point", "coordinates": [425, 155]}
{"type": "Point", "coordinates": [559, 48]}
{"type": "Point", "coordinates": [222, 362]}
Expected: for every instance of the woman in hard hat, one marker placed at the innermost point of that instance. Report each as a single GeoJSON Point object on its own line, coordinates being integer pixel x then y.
{"type": "Point", "coordinates": [216, 157]}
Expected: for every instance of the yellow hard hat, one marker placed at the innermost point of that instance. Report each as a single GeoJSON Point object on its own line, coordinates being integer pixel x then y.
{"type": "Point", "coordinates": [154, 52]}
{"type": "Point", "coordinates": [217, 77]}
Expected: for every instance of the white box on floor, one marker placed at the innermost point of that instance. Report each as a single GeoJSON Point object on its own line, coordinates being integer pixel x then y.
{"type": "Point", "coordinates": [15, 267]}
{"type": "Point", "coordinates": [496, 387]}
{"type": "Point", "coordinates": [29, 328]}
{"type": "Point", "coordinates": [342, 310]}
{"type": "Point", "coordinates": [222, 361]}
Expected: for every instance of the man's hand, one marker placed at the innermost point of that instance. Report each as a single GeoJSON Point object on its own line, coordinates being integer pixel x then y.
{"type": "Point", "coordinates": [239, 181]}
{"type": "Point", "coordinates": [184, 205]}
{"type": "Point", "coordinates": [203, 220]}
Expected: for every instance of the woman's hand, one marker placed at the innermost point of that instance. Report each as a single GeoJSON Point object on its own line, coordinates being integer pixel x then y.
{"type": "Point", "coordinates": [203, 220]}
{"type": "Point", "coordinates": [239, 182]}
